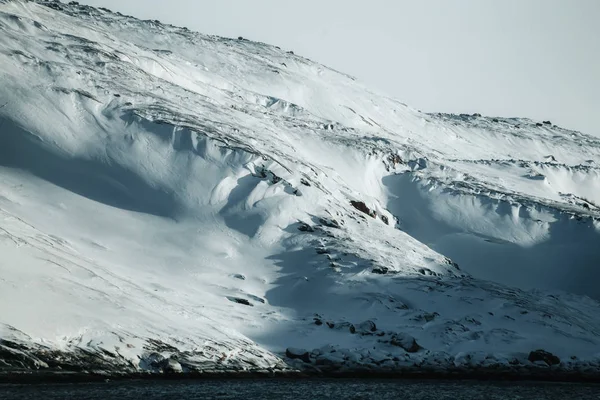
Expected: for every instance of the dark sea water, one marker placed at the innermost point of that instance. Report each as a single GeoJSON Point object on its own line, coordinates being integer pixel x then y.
{"type": "Point", "coordinates": [343, 389]}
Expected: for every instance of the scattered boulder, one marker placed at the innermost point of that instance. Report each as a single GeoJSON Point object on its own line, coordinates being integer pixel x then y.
{"type": "Point", "coordinates": [300, 354]}
{"type": "Point", "coordinates": [385, 220]}
{"type": "Point", "coordinates": [545, 356]}
{"type": "Point", "coordinates": [538, 124]}
{"type": "Point", "coordinates": [547, 123]}
{"type": "Point", "coordinates": [406, 342]}
{"type": "Point", "coordinates": [495, 120]}
{"type": "Point", "coordinates": [240, 277]}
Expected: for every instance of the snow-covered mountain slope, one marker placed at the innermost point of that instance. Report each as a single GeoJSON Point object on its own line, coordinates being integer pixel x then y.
{"type": "Point", "coordinates": [173, 200]}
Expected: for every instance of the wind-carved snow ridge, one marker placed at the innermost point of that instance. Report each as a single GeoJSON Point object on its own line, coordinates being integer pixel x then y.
{"type": "Point", "coordinates": [175, 202]}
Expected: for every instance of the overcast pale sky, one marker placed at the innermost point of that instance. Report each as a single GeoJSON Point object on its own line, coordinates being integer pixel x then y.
{"type": "Point", "coordinates": [529, 58]}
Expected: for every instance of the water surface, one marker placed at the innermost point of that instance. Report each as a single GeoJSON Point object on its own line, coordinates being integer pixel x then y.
{"type": "Point", "coordinates": [342, 389]}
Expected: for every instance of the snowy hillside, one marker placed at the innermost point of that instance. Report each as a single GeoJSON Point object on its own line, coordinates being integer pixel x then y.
{"type": "Point", "coordinates": [174, 201]}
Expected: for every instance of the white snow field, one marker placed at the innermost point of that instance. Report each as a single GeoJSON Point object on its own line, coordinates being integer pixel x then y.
{"type": "Point", "coordinates": [172, 201]}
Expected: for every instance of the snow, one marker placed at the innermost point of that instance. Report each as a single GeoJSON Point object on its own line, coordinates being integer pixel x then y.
{"type": "Point", "coordinates": [153, 180]}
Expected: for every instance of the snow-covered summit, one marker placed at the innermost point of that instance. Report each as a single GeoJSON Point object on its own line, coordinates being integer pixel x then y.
{"type": "Point", "coordinates": [166, 194]}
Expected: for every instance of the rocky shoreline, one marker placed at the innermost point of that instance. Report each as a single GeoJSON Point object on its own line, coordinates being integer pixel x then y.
{"type": "Point", "coordinates": [324, 365]}
{"type": "Point", "coordinates": [405, 359]}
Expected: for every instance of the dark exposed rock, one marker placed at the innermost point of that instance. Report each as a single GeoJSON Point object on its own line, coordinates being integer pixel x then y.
{"type": "Point", "coordinates": [299, 354]}
{"type": "Point", "coordinates": [380, 270]}
{"type": "Point", "coordinates": [160, 346]}
{"type": "Point", "coordinates": [495, 120]}
{"type": "Point", "coordinates": [547, 123]}
{"type": "Point", "coordinates": [240, 277]}
{"type": "Point", "coordinates": [240, 301]}
{"type": "Point", "coordinates": [395, 159]}
{"type": "Point", "coordinates": [538, 124]}
{"type": "Point", "coordinates": [450, 262]}
{"type": "Point", "coordinates": [428, 317]}
{"type": "Point", "coordinates": [364, 327]}
{"type": "Point", "coordinates": [330, 223]}
{"type": "Point", "coordinates": [405, 341]}
{"type": "Point", "coordinates": [318, 321]}
{"type": "Point", "coordinates": [338, 326]}
{"type": "Point", "coordinates": [275, 179]}
{"type": "Point", "coordinates": [362, 207]}
{"type": "Point", "coordinates": [542, 355]}
{"type": "Point", "coordinates": [172, 366]}
{"type": "Point", "coordinates": [54, 6]}
{"type": "Point", "coordinates": [16, 356]}
{"type": "Point", "coordinates": [385, 220]}
{"type": "Point", "coordinates": [304, 227]}
{"type": "Point", "coordinates": [161, 363]}
{"type": "Point", "coordinates": [304, 182]}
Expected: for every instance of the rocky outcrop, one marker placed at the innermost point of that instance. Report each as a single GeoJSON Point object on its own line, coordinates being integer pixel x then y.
{"type": "Point", "coordinates": [543, 356]}
{"type": "Point", "coordinates": [299, 354]}
{"type": "Point", "coordinates": [362, 207]}
{"type": "Point", "coordinates": [405, 341]}
{"type": "Point", "coordinates": [363, 327]}
{"type": "Point", "coordinates": [240, 301]}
